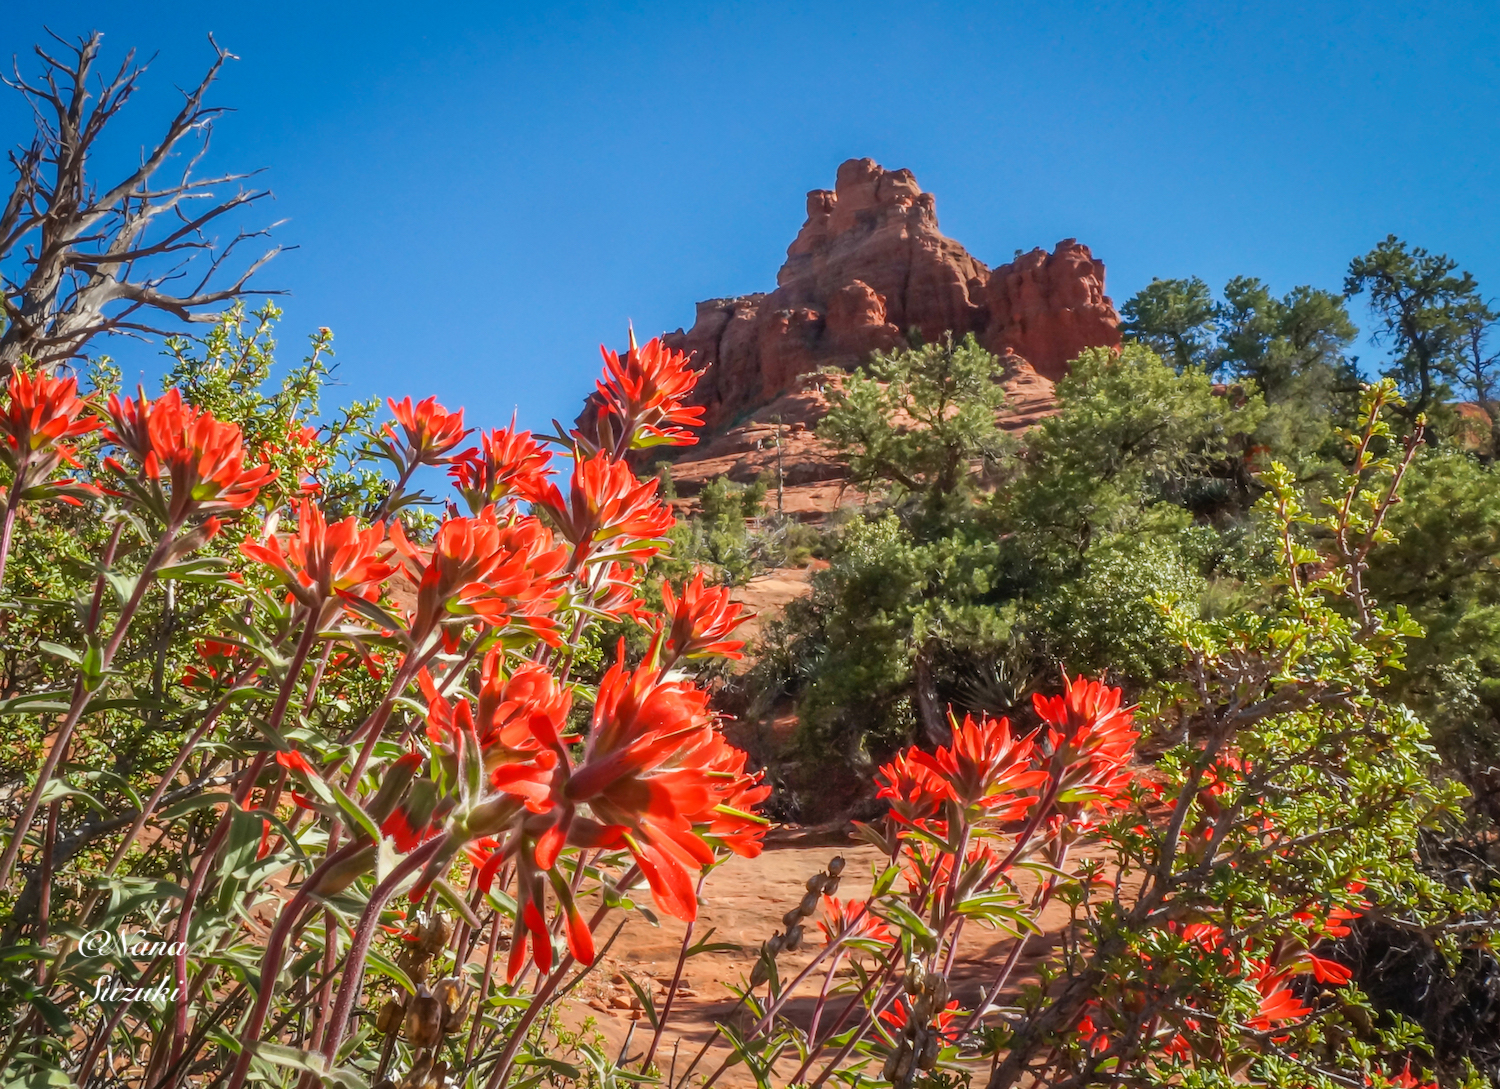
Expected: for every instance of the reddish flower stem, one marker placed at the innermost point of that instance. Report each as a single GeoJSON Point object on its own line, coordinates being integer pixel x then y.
{"type": "Point", "coordinates": [81, 693]}
{"type": "Point", "coordinates": [270, 965]}
{"type": "Point", "coordinates": [359, 948]}
{"type": "Point", "coordinates": [682, 955]}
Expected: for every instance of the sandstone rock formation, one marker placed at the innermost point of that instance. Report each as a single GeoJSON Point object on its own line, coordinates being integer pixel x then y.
{"type": "Point", "coordinates": [867, 267]}
{"type": "Point", "coordinates": [779, 443]}
{"type": "Point", "coordinates": [1048, 307]}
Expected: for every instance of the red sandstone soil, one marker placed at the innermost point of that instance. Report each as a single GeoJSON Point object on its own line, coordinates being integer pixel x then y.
{"type": "Point", "coordinates": [744, 901]}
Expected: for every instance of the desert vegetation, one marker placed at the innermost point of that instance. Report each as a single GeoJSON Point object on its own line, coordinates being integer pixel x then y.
{"type": "Point", "coordinates": [344, 742]}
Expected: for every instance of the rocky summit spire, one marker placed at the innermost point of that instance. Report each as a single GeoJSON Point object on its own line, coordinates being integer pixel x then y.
{"type": "Point", "coordinates": [868, 266]}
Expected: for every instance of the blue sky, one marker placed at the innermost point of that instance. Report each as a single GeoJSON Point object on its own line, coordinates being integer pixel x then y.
{"type": "Point", "coordinates": [482, 193]}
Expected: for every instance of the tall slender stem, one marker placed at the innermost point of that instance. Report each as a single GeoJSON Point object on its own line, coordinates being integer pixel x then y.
{"type": "Point", "coordinates": [270, 965]}
{"type": "Point", "coordinates": [682, 955]}
{"type": "Point", "coordinates": [8, 526]}
{"type": "Point", "coordinates": [359, 947]}
{"type": "Point", "coordinates": [200, 871]}
{"type": "Point", "coordinates": [81, 692]}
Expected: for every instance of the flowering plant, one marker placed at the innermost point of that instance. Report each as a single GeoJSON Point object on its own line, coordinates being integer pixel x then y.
{"type": "Point", "coordinates": [350, 762]}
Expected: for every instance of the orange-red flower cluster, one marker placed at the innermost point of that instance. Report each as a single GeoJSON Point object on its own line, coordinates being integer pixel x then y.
{"type": "Point", "coordinates": [1405, 1080]}
{"type": "Point", "coordinates": [505, 572]}
{"type": "Point", "coordinates": [657, 777]}
{"type": "Point", "coordinates": [607, 507]}
{"type": "Point", "coordinates": [643, 396]}
{"type": "Point", "coordinates": [41, 411]}
{"type": "Point", "coordinates": [698, 623]}
{"type": "Point", "coordinates": [216, 659]}
{"type": "Point", "coordinates": [430, 430]}
{"type": "Point", "coordinates": [513, 717]}
{"type": "Point", "coordinates": [851, 920]}
{"type": "Point", "coordinates": [201, 458]}
{"type": "Point", "coordinates": [943, 1023]}
{"type": "Point", "coordinates": [986, 769]}
{"type": "Point", "coordinates": [506, 465]}
{"type": "Point", "coordinates": [321, 563]}
{"type": "Point", "coordinates": [1090, 739]}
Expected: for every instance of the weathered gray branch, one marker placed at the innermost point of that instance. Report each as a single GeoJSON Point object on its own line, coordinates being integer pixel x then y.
{"type": "Point", "coordinates": [78, 260]}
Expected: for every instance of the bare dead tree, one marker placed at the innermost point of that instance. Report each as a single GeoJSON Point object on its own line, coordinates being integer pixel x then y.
{"type": "Point", "coordinates": [135, 257]}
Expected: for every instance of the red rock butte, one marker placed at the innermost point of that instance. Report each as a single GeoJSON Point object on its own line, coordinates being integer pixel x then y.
{"type": "Point", "coordinates": [867, 267]}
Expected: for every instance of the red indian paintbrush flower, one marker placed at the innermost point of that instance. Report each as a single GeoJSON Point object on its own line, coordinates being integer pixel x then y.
{"type": "Point", "coordinates": [503, 572]}
{"type": "Point", "coordinates": [1090, 740]}
{"type": "Point", "coordinates": [986, 767]}
{"type": "Point", "coordinates": [644, 393]}
{"type": "Point", "coordinates": [39, 413]}
{"type": "Point", "coordinates": [1405, 1080]}
{"type": "Point", "coordinates": [514, 716]}
{"type": "Point", "coordinates": [942, 1022]}
{"type": "Point", "coordinates": [202, 458]}
{"type": "Point", "coordinates": [431, 431]}
{"type": "Point", "coordinates": [701, 620]}
{"type": "Point", "coordinates": [851, 920]}
{"type": "Point", "coordinates": [658, 778]}
{"type": "Point", "coordinates": [216, 658]}
{"type": "Point", "coordinates": [612, 589]}
{"type": "Point", "coordinates": [734, 824]}
{"type": "Point", "coordinates": [606, 503]}
{"type": "Point", "coordinates": [506, 465]}
{"type": "Point", "coordinates": [1278, 1005]}
{"type": "Point", "coordinates": [915, 791]}
{"type": "Point", "coordinates": [322, 563]}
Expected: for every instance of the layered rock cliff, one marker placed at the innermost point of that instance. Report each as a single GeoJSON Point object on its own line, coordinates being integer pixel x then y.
{"type": "Point", "coordinates": [870, 266]}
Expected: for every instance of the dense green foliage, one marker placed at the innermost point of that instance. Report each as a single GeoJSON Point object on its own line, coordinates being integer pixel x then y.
{"type": "Point", "coordinates": [983, 558]}
{"type": "Point", "coordinates": [1201, 511]}
{"type": "Point", "coordinates": [1062, 552]}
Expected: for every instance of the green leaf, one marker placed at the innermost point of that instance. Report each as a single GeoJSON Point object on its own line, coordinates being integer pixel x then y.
{"type": "Point", "coordinates": [884, 882]}
{"type": "Point", "coordinates": [353, 810]}
{"type": "Point", "coordinates": [200, 569]}
{"type": "Point", "coordinates": [122, 585]}
{"type": "Point", "coordinates": [36, 703]}
{"type": "Point", "coordinates": [59, 788]}
{"type": "Point", "coordinates": [447, 893]}
{"type": "Point", "coordinates": [374, 612]}
{"type": "Point", "coordinates": [57, 650]}
{"type": "Point", "coordinates": [310, 1061]}
{"type": "Point", "coordinates": [380, 964]}
{"type": "Point", "coordinates": [646, 1003]}
{"type": "Point", "coordinates": [192, 804]}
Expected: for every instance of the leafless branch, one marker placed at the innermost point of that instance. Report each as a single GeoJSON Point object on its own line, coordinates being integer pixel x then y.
{"type": "Point", "coordinates": [79, 259]}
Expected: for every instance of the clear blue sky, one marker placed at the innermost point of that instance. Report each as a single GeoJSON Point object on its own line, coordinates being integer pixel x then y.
{"type": "Point", "coordinates": [481, 193]}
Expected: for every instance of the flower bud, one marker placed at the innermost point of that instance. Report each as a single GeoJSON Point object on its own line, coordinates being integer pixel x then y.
{"type": "Point", "coordinates": [453, 994]}
{"type": "Point", "coordinates": [809, 904]}
{"type": "Point", "coordinates": [416, 1077]}
{"type": "Point", "coordinates": [390, 1017]}
{"type": "Point", "coordinates": [835, 865]}
{"type": "Point", "coordinates": [759, 973]}
{"type": "Point", "coordinates": [424, 1022]}
{"type": "Point", "coordinates": [928, 1059]}
{"type": "Point", "coordinates": [794, 937]}
{"type": "Point", "coordinates": [435, 936]}
{"type": "Point", "coordinates": [339, 877]}
{"type": "Point", "coordinates": [491, 817]}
